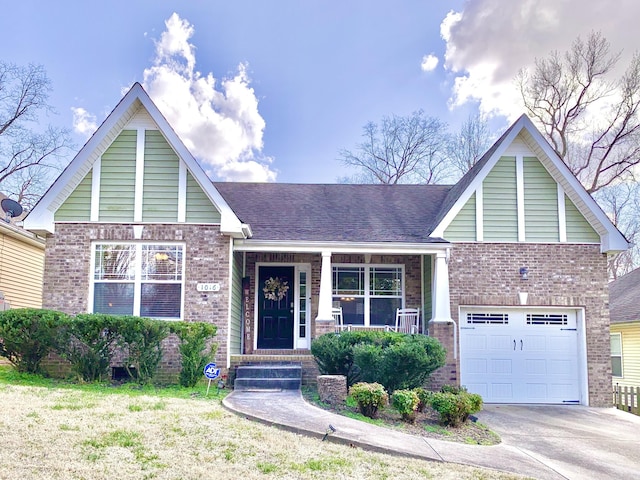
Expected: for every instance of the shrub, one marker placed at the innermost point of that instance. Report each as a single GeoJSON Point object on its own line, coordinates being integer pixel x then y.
{"type": "Point", "coordinates": [424, 397]}
{"type": "Point", "coordinates": [370, 397]}
{"type": "Point", "coordinates": [142, 339]}
{"type": "Point", "coordinates": [27, 335]}
{"type": "Point", "coordinates": [406, 403]}
{"type": "Point", "coordinates": [455, 408]}
{"type": "Point", "coordinates": [87, 341]}
{"type": "Point", "coordinates": [194, 352]}
{"type": "Point", "coordinates": [395, 360]}
{"type": "Point", "coordinates": [400, 361]}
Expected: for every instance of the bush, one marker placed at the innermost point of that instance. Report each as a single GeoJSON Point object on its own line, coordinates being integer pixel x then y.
{"type": "Point", "coordinates": [424, 397]}
{"type": "Point", "coordinates": [194, 352]}
{"type": "Point", "coordinates": [370, 397]}
{"type": "Point", "coordinates": [401, 362]}
{"type": "Point", "coordinates": [142, 339]}
{"type": "Point", "coordinates": [87, 341]}
{"type": "Point", "coordinates": [27, 335]}
{"type": "Point", "coordinates": [395, 360]}
{"type": "Point", "coordinates": [406, 403]}
{"type": "Point", "coordinates": [455, 408]}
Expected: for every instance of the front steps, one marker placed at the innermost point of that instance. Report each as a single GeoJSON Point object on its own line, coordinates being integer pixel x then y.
{"type": "Point", "coordinates": [268, 377]}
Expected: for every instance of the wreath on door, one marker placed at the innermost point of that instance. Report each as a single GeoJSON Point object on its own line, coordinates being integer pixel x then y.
{"type": "Point", "coordinates": [275, 289]}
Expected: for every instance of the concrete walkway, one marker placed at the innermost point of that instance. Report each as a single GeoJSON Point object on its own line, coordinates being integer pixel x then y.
{"type": "Point", "coordinates": [288, 409]}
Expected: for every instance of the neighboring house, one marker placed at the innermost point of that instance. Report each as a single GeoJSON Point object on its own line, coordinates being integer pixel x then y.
{"type": "Point", "coordinates": [134, 225]}
{"type": "Point", "coordinates": [21, 264]}
{"type": "Point", "coordinates": [624, 310]}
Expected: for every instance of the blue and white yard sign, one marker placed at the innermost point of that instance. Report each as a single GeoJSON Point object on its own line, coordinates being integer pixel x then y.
{"type": "Point", "coordinates": [211, 372]}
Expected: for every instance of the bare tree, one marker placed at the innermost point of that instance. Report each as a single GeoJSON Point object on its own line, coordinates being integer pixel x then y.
{"type": "Point", "coordinates": [622, 202]}
{"type": "Point", "coordinates": [29, 153]}
{"type": "Point", "coordinates": [590, 118]}
{"type": "Point", "coordinates": [467, 146]}
{"type": "Point", "coordinates": [400, 150]}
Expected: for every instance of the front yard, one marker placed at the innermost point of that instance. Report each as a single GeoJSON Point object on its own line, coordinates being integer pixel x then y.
{"type": "Point", "coordinates": [102, 432]}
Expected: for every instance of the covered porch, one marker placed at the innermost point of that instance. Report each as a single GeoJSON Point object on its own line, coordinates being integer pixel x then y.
{"type": "Point", "coordinates": [287, 293]}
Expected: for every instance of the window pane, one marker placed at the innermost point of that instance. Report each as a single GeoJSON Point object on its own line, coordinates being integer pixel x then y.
{"type": "Point", "coordinates": [386, 281]}
{"type": "Point", "coordinates": [115, 262]}
{"type": "Point", "coordinates": [160, 300]}
{"type": "Point", "coordinates": [616, 344]}
{"type": "Point", "coordinates": [383, 310]}
{"type": "Point", "coordinates": [352, 309]}
{"type": "Point", "coordinates": [616, 366]}
{"type": "Point", "coordinates": [113, 298]}
{"type": "Point", "coordinates": [348, 280]}
{"type": "Point", "coordinates": [162, 262]}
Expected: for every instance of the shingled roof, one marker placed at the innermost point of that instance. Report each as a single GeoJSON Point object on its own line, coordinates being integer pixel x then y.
{"type": "Point", "coordinates": [339, 212]}
{"type": "Point", "coordinates": [623, 298]}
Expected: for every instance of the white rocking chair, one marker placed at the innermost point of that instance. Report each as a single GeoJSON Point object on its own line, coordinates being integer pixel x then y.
{"type": "Point", "coordinates": [336, 313]}
{"type": "Point", "coordinates": [408, 320]}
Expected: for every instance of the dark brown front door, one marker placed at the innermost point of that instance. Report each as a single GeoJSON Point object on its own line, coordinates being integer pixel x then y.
{"type": "Point", "coordinates": [275, 290]}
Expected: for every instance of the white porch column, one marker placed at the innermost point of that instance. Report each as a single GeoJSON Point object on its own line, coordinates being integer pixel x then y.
{"type": "Point", "coordinates": [441, 300]}
{"type": "Point", "coordinates": [324, 299]}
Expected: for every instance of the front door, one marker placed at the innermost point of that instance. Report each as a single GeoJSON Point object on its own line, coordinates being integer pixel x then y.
{"type": "Point", "coordinates": [276, 294]}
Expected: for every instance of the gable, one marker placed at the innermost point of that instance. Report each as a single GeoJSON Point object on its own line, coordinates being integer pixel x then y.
{"type": "Point", "coordinates": [133, 169]}
{"type": "Point", "coordinates": [523, 192]}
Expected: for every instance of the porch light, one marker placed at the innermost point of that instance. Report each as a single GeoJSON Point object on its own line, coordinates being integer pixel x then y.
{"type": "Point", "coordinates": [524, 273]}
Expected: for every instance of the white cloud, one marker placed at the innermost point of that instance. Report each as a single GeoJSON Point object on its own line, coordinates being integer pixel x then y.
{"type": "Point", "coordinates": [429, 63]}
{"type": "Point", "coordinates": [217, 120]}
{"type": "Point", "coordinates": [490, 40]}
{"type": "Point", "coordinates": [84, 123]}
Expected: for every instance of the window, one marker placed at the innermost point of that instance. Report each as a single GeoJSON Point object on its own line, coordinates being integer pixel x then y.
{"type": "Point", "coordinates": [616, 354]}
{"type": "Point", "coordinates": [138, 279]}
{"type": "Point", "coordinates": [368, 294]}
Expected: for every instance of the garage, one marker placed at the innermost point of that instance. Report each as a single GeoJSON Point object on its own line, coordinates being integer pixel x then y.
{"type": "Point", "coordinates": [522, 355]}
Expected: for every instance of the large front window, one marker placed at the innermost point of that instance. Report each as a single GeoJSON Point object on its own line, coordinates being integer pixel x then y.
{"type": "Point", "coordinates": [368, 294]}
{"type": "Point", "coordinates": [138, 279]}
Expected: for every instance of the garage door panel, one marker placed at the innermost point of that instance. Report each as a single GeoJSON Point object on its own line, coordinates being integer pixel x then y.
{"type": "Point", "coordinates": [520, 355]}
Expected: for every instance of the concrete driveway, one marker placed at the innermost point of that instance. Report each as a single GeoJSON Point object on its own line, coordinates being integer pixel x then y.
{"type": "Point", "coordinates": [576, 442]}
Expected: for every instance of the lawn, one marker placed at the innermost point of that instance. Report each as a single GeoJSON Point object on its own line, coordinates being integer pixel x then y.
{"type": "Point", "coordinates": [54, 430]}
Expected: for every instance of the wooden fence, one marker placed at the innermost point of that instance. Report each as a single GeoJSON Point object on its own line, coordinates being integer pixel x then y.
{"type": "Point", "coordinates": [627, 399]}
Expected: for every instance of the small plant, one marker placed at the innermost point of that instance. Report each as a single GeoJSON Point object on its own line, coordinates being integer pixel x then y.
{"type": "Point", "coordinates": [27, 335]}
{"type": "Point", "coordinates": [424, 396]}
{"type": "Point", "coordinates": [455, 408]}
{"type": "Point", "coordinates": [406, 403]}
{"type": "Point", "coordinates": [141, 338]}
{"type": "Point", "coordinates": [370, 397]}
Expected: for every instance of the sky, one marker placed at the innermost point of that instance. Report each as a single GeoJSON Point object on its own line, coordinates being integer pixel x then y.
{"type": "Point", "coordinates": [273, 90]}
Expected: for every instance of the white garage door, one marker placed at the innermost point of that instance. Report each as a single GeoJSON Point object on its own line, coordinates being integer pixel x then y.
{"type": "Point", "coordinates": [520, 356]}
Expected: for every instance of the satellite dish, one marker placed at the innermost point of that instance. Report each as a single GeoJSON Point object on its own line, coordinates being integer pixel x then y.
{"type": "Point", "coordinates": [11, 208]}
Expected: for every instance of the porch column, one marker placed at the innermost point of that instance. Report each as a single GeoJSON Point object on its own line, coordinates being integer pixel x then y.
{"type": "Point", "coordinates": [324, 299]}
{"type": "Point", "coordinates": [441, 300]}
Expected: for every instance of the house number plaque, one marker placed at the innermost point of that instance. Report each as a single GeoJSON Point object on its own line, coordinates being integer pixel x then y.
{"type": "Point", "coordinates": [208, 287]}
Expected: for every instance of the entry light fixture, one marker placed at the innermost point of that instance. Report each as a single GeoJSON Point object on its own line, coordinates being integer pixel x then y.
{"type": "Point", "coordinates": [524, 273]}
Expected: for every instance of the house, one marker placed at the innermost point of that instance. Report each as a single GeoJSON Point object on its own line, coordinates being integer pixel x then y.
{"type": "Point", "coordinates": [508, 266]}
{"type": "Point", "coordinates": [21, 264]}
{"type": "Point", "coordinates": [624, 309]}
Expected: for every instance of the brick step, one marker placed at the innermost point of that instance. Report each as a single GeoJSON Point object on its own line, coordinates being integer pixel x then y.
{"type": "Point", "coordinates": [268, 377]}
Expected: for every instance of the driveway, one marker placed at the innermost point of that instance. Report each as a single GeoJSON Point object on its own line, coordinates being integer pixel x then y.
{"type": "Point", "coordinates": [576, 442]}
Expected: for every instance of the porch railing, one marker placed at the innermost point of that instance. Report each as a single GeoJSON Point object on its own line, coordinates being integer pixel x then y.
{"type": "Point", "coordinates": [627, 399]}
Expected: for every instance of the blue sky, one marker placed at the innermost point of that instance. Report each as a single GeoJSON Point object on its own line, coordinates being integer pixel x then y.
{"type": "Point", "coordinates": [272, 90]}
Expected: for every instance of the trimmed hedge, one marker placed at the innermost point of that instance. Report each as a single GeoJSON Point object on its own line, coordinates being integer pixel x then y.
{"type": "Point", "coordinates": [396, 360]}
{"type": "Point", "coordinates": [88, 342]}
{"type": "Point", "coordinates": [27, 335]}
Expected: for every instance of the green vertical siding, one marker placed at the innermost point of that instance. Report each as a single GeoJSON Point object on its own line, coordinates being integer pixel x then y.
{"type": "Point", "coordinates": [578, 229]}
{"type": "Point", "coordinates": [161, 171]}
{"type": "Point", "coordinates": [540, 203]}
{"type": "Point", "coordinates": [500, 209]}
{"type": "Point", "coordinates": [463, 227]}
{"type": "Point", "coordinates": [427, 282]}
{"type": "Point", "coordinates": [199, 207]}
{"type": "Point", "coordinates": [77, 207]}
{"type": "Point", "coordinates": [118, 179]}
{"type": "Point", "coordinates": [235, 330]}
